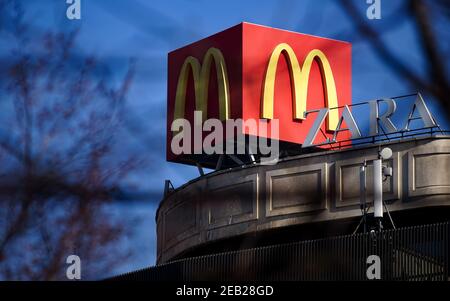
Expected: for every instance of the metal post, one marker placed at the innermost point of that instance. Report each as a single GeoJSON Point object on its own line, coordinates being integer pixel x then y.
{"type": "Point", "coordinates": [378, 192]}
{"type": "Point", "coordinates": [168, 187]}
{"type": "Point", "coordinates": [362, 192]}
{"type": "Point", "coordinates": [200, 169]}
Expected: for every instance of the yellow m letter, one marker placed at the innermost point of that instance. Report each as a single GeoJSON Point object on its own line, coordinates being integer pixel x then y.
{"type": "Point", "coordinates": [200, 75]}
{"type": "Point", "coordinates": [299, 83]}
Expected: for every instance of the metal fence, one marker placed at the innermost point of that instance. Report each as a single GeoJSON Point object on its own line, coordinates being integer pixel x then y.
{"type": "Point", "coordinates": [413, 253]}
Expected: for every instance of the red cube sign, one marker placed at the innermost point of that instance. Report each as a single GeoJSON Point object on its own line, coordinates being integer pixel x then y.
{"type": "Point", "coordinates": [256, 72]}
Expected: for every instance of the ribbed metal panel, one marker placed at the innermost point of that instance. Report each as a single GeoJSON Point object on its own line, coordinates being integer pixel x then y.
{"type": "Point", "coordinates": [413, 253]}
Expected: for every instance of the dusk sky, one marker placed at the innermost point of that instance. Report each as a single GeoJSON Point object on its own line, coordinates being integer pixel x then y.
{"type": "Point", "coordinates": [117, 30]}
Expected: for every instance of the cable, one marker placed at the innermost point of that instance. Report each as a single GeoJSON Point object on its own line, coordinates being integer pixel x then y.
{"type": "Point", "coordinates": [363, 218]}
{"type": "Point", "coordinates": [389, 214]}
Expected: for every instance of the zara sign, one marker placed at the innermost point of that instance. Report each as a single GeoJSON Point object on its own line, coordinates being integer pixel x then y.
{"type": "Point", "coordinates": [378, 123]}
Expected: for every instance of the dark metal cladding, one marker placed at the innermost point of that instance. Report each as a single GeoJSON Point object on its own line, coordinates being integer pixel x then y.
{"type": "Point", "coordinates": [419, 253]}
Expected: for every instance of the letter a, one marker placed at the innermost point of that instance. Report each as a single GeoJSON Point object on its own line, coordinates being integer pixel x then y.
{"type": "Point", "coordinates": [74, 9]}
{"type": "Point", "coordinates": [424, 114]}
{"type": "Point", "coordinates": [373, 271]}
{"type": "Point", "coordinates": [374, 10]}
{"type": "Point", "coordinates": [74, 270]}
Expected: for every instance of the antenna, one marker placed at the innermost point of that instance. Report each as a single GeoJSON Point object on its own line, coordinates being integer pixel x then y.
{"type": "Point", "coordinates": [386, 153]}
{"type": "Point", "coordinates": [378, 192]}
{"type": "Point", "coordinates": [380, 173]}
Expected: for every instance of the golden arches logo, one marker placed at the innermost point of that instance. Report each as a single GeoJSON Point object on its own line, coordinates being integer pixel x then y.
{"type": "Point", "coordinates": [200, 74]}
{"type": "Point", "coordinates": [299, 83]}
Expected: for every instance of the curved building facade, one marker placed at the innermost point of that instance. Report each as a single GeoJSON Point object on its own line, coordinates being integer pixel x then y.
{"type": "Point", "coordinates": [300, 191]}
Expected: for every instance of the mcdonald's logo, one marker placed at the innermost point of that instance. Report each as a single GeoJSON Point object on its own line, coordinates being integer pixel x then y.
{"type": "Point", "coordinates": [201, 75]}
{"type": "Point", "coordinates": [256, 72]}
{"type": "Point", "coordinates": [300, 77]}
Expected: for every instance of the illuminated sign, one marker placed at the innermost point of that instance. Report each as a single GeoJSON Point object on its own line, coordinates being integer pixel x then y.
{"type": "Point", "coordinates": [252, 72]}
{"type": "Point", "coordinates": [299, 83]}
{"type": "Point", "coordinates": [200, 75]}
{"type": "Point", "coordinates": [380, 122]}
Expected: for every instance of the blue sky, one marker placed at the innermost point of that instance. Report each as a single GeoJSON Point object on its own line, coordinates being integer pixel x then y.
{"type": "Point", "coordinates": [115, 30]}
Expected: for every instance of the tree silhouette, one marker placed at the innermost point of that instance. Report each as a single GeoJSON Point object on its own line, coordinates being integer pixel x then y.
{"type": "Point", "coordinates": [59, 156]}
{"type": "Point", "coordinates": [421, 13]}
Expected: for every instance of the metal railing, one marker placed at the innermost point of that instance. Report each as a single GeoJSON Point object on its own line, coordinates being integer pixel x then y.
{"type": "Point", "coordinates": [413, 253]}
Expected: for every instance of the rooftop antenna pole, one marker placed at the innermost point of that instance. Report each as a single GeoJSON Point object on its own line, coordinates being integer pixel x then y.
{"type": "Point", "coordinates": [378, 172]}
{"type": "Point", "coordinates": [362, 190]}
{"type": "Point", "coordinates": [378, 193]}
